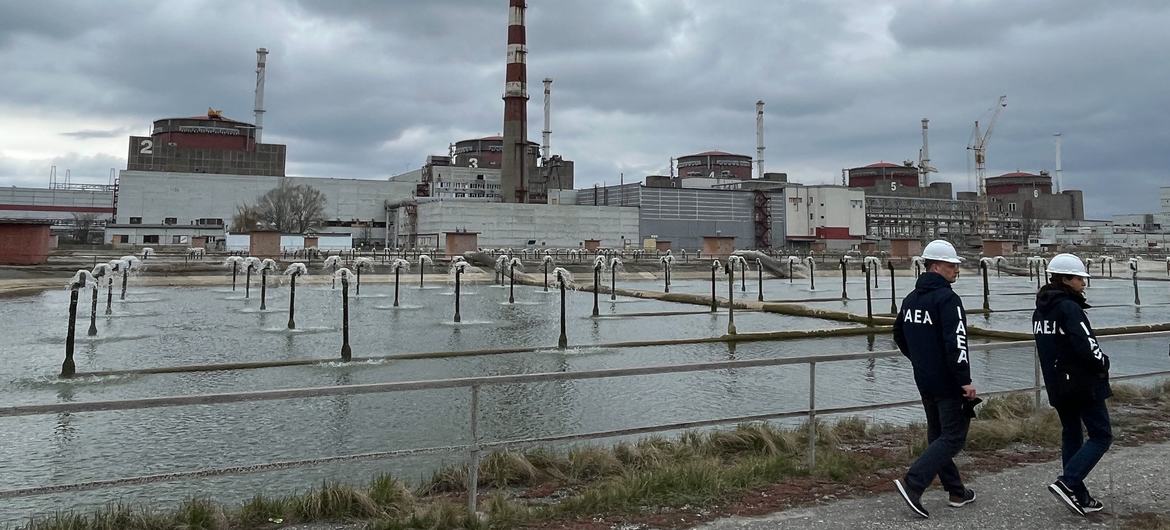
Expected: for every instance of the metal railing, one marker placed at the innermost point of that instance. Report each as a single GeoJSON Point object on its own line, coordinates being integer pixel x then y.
{"type": "Point", "coordinates": [477, 446]}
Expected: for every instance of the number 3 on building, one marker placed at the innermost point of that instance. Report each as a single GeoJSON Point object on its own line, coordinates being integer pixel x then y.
{"type": "Point", "coordinates": [472, 162]}
{"type": "Point", "coordinates": [146, 147]}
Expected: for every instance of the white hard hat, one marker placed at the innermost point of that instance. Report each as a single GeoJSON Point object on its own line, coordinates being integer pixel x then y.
{"type": "Point", "coordinates": [939, 250]}
{"type": "Point", "coordinates": [1067, 264]}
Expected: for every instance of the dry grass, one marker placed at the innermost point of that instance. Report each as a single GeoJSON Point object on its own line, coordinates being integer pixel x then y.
{"type": "Point", "coordinates": [698, 468]}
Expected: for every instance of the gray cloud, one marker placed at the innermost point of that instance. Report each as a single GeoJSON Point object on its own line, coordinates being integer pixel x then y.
{"type": "Point", "coordinates": [370, 88]}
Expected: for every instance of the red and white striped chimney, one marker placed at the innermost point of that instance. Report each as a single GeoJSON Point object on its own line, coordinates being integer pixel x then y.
{"type": "Point", "coordinates": [514, 167]}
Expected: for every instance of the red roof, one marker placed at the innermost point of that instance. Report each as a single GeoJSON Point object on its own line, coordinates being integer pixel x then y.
{"type": "Point", "coordinates": [715, 153]}
{"type": "Point", "coordinates": [1016, 174]}
{"type": "Point", "coordinates": [882, 164]}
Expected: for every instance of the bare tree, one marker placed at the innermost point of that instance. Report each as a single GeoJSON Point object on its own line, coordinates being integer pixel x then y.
{"type": "Point", "coordinates": [83, 224]}
{"type": "Point", "coordinates": [289, 208]}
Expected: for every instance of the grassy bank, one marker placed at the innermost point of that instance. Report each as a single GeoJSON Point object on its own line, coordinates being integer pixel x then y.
{"type": "Point", "coordinates": [699, 474]}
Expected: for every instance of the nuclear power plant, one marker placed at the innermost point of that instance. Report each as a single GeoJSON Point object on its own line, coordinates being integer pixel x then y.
{"type": "Point", "coordinates": [187, 179]}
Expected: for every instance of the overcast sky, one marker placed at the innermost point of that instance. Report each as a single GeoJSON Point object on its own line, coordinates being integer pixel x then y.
{"type": "Point", "coordinates": [368, 89]}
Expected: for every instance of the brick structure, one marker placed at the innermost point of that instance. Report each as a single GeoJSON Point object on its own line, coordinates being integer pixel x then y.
{"type": "Point", "coordinates": [592, 244]}
{"type": "Point", "coordinates": [718, 245]}
{"type": "Point", "coordinates": [905, 248]}
{"type": "Point", "coordinates": [999, 247]}
{"type": "Point", "coordinates": [460, 242]}
{"type": "Point", "coordinates": [24, 242]}
{"type": "Point", "coordinates": [264, 244]}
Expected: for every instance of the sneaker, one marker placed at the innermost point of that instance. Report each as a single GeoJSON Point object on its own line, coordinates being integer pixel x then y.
{"type": "Point", "coordinates": [1065, 495]}
{"type": "Point", "coordinates": [912, 500]}
{"type": "Point", "coordinates": [1089, 504]}
{"type": "Point", "coordinates": [959, 501]}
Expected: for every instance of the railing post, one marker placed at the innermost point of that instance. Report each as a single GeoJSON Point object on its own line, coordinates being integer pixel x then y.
{"type": "Point", "coordinates": [473, 458]}
{"type": "Point", "coordinates": [812, 415]}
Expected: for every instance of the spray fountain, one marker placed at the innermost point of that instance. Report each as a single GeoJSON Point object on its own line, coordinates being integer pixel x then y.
{"type": "Point", "coordinates": [812, 273]}
{"type": "Point", "coordinates": [615, 264]}
{"type": "Point", "coordinates": [716, 266]}
{"type": "Point", "coordinates": [893, 288]}
{"type": "Point", "coordinates": [598, 266]}
{"type": "Point", "coordinates": [513, 264]}
{"type": "Point", "coordinates": [1133, 267]}
{"type": "Point", "coordinates": [331, 264]}
{"type": "Point", "coordinates": [792, 260]}
{"type": "Point", "coordinates": [115, 267]}
{"type": "Point", "coordinates": [293, 271]}
{"type": "Point", "coordinates": [1107, 260]}
{"type": "Point", "coordinates": [501, 264]}
{"type": "Point", "coordinates": [399, 265]}
{"type": "Point", "coordinates": [266, 265]}
{"type": "Point", "coordinates": [345, 275]}
{"type": "Point", "coordinates": [130, 263]}
{"type": "Point", "coordinates": [844, 277]}
{"type": "Point", "coordinates": [546, 262]}
{"type": "Point", "coordinates": [423, 260]}
{"type": "Point", "coordinates": [984, 263]}
{"type": "Point", "coordinates": [147, 252]}
{"type": "Point", "coordinates": [918, 263]}
{"type": "Point", "coordinates": [250, 264]}
{"type": "Point", "coordinates": [732, 262]}
{"type": "Point", "coordinates": [234, 263]}
{"type": "Point", "coordinates": [760, 280]}
{"type": "Point", "coordinates": [1089, 268]}
{"type": "Point", "coordinates": [563, 279]}
{"type": "Point", "coordinates": [458, 267]}
{"type": "Point", "coordinates": [667, 261]}
{"type": "Point", "coordinates": [358, 265]}
{"type": "Point", "coordinates": [101, 270]}
{"type": "Point", "coordinates": [79, 280]}
{"type": "Point", "coordinates": [869, 267]}
{"type": "Point", "coordinates": [874, 265]}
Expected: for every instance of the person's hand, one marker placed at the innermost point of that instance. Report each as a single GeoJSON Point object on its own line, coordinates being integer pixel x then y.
{"type": "Point", "coordinates": [969, 391]}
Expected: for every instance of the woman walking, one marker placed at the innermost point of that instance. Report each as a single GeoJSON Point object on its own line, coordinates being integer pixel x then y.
{"type": "Point", "coordinates": [1076, 374]}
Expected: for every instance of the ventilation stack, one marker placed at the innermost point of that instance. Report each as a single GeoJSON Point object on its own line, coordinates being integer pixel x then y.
{"type": "Point", "coordinates": [545, 151]}
{"type": "Point", "coordinates": [760, 139]}
{"type": "Point", "coordinates": [261, 67]}
{"type": "Point", "coordinates": [514, 166]}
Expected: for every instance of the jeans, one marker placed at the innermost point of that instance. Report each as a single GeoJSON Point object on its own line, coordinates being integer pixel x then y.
{"type": "Point", "coordinates": [1079, 457]}
{"type": "Point", "coordinates": [946, 430]}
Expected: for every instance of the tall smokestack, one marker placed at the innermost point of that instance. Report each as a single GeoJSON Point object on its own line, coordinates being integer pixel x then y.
{"type": "Point", "coordinates": [261, 67]}
{"type": "Point", "coordinates": [545, 152]}
{"type": "Point", "coordinates": [1059, 183]}
{"type": "Point", "coordinates": [513, 178]}
{"type": "Point", "coordinates": [924, 167]}
{"type": "Point", "coordinates": [760, 139]}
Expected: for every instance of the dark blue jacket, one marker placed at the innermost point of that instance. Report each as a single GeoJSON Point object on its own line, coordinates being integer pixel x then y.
{"type": "Point", "coordinates": [1074, 367]}
{"type": "Point", "coordinates": [931, 330]}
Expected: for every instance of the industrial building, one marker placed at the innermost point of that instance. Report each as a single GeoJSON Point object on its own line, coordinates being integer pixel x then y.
{"type": "Point", "coordinates": [190, 176]}
{"type": "Point", "coordinates": [715, 165]}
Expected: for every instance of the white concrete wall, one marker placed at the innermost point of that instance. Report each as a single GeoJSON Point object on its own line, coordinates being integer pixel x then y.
{"type": "Point", "coordinates": [513, 225]}
{"type": "Point", "coordinates": [812, 207]}
{"type": "Point", "coordinates": [154, 196]}
{"type": "Point", "coordinates": [46, 203]}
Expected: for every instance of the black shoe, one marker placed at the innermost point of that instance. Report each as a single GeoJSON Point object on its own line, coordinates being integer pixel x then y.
{"type": "Point", "coordinates": [914, 501]}
{"type": "Point", "coordinates": [1065, 495]}
{"type": "Point", "coordinates": [1089, 504]}
{"type": "Point", "coordinates": [959, 501]}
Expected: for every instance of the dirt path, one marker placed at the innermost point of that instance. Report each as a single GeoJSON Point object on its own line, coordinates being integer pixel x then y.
{"type": "Point", "coordinates": [1129, 480]}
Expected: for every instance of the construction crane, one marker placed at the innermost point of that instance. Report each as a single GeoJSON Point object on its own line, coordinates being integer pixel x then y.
{"type": "Point", "coordinates": [979, 146]}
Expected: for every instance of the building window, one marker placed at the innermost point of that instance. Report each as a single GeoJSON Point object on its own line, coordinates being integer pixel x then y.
{"type": "Point", "coordinates": [1011, 206]}
{"type": "Point", "coordinates": [135, 220]}
{"type": "Point", "coordinates": [176, 240]}
{"type": "Point", "coordinates": [122, 238]}
{"type": "Point", "coordinates": [150, 239]}
{"type": "Point", "coordinates": [170, 221]}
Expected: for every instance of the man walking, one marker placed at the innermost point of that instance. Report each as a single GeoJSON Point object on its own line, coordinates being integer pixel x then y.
{"type": "Point", "coordinates": [931, 330]}
{"type": "Point", "coordinates": [1076, 374]}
